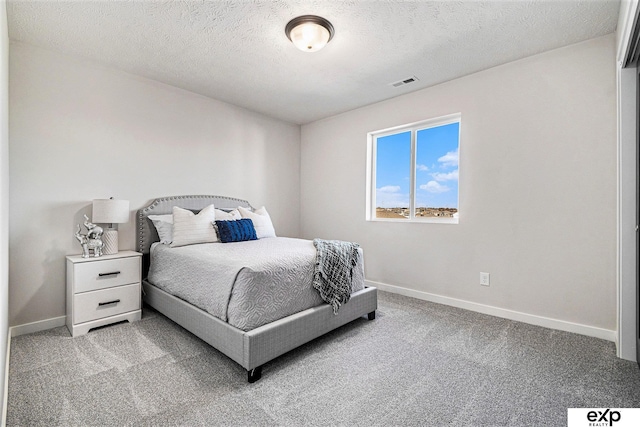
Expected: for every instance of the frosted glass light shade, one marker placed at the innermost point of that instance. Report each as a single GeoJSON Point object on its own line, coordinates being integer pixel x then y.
{"type": "Point", "coordinates": [110, 211]}
{"type": "Point", "coordinates": [309, 33]}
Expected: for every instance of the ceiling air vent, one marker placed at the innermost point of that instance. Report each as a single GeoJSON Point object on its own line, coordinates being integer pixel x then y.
{"type": "Point", "coordinates": [406, 81]}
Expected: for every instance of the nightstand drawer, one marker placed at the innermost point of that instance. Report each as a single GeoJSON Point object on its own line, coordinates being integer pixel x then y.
{"type": "Point", "coordinates": [106, 302]}
{"type": "Point", "coordinates": [91, 276]}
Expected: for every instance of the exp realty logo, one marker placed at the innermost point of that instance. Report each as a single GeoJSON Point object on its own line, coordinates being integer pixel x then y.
{"type": "Point", "coordinates": [603, 417]}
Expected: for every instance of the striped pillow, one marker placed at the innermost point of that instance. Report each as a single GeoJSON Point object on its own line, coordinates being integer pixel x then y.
{"type": "Point", "coordinates": [261, 221]}
{"type": "Point", "coordinates": [227, 216]}
{"type": "Point", "coordinates": [189, 228]}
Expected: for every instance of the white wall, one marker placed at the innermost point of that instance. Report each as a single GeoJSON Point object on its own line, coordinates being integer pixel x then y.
{"type": "Point", "coordinates": [79, 131]}
{"type": "Point", "coordinates": [537, 188]}
{"type": "Point", "coordinates": [4, 194]}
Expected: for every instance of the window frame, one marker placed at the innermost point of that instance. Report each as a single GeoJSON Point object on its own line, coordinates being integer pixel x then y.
{"type": "Point", "coordinates": [414, 128]}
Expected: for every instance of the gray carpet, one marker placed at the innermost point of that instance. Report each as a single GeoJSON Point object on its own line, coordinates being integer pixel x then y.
{"type": "Point", "coordinates": [418, 363]}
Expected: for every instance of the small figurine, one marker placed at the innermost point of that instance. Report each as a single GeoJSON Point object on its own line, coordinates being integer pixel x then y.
{"type": "Point", "coordinates": [93, 231]}
{"type": "Point", "coordinates": [92, 241]}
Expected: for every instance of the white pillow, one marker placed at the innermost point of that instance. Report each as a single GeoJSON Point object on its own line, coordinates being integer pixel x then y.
{"type": "Point", "coordinates": [189, 228]}
{"type": "Point", "coordinates": [227, 216]}
{"type": "Point", "coordinates": [164, 227]}
{"type": "Point", "coordinates": [261, 221]}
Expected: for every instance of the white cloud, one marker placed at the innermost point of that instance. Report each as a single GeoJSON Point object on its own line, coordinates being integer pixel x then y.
{"type": "Point", "coordinates": [449, 159]}
{"type": "Point", "coordinates": [434, 187]}
{"type": "Point", "coordinates": [390, 196]}
{"type": "Point", "coordinates": [389, 189]}
{"type": "Point", "coordinates": [422, 168]}
{"type": "Point", "coordinates": [450, 176]}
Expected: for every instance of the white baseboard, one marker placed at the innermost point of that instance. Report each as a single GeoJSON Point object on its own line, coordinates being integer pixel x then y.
{"type": "Point", "coordinates": [41, 325]}
{"type": "Point", "coordinates": [532, 319]}
{"type": "Point", "coordinates": [5, 394]}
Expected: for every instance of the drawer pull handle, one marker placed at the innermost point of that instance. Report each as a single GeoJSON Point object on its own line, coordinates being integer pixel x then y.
{"type": "Point", "coordinates": [115, 301]}
{"type": "Point", "coordinates": [113, 273]}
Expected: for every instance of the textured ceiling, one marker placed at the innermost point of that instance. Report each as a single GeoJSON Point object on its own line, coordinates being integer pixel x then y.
{"type": "Point", "coordinates": [236, 51]}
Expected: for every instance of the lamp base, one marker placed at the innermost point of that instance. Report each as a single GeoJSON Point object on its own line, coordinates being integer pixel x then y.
{"type": "Point", "coordinates": [110, 241]}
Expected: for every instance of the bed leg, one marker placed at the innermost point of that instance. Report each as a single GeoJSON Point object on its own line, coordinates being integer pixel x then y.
{"type": "Point", "coordinates": [254, 374]}
{"type": "Point", "coordinates": [372, 315]}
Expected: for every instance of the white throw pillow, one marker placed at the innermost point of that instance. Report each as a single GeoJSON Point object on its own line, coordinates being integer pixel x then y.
{"type": "Point", "coordinates": [189, 228]}
{"type": "Point", "coordinates": [261, 221]}
{"type": "Point", "coordinates": [164, 227]}
{"type": "Point", "coordinates": [227, 216]}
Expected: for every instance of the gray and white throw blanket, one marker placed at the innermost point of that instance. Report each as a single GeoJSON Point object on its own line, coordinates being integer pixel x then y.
{"type": "Point", "coordinates": [333, 272]}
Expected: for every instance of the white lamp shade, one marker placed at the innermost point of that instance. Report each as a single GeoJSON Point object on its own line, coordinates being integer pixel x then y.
{"type": "Point", "coordinates": [110, 211]}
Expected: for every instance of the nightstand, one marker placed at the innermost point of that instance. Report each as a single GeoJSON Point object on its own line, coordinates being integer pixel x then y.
{"type": "Point", "coordinates": [103, 290]}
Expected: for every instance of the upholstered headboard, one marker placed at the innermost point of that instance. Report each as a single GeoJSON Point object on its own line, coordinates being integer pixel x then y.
{"type": "Point", "coordinates": [145, 231]}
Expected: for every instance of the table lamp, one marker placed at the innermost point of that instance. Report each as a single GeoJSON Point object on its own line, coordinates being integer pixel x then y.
{"type": "Point", "coordinates": [110, 211]}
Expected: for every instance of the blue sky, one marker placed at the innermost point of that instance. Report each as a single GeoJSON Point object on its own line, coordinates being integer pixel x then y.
{"type": "Point", "coordinates": [436, 168]}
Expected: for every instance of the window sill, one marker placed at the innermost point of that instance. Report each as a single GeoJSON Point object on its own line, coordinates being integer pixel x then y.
{"type": "Point", "coordinates": [417, 220]}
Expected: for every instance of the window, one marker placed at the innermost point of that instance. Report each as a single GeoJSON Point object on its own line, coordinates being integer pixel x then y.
{"type": "Point", "coordinates": [413, 172]}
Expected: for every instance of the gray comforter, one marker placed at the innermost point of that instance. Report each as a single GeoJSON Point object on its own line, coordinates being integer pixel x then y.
{"type": "Point", "coordinates": [247, 284]}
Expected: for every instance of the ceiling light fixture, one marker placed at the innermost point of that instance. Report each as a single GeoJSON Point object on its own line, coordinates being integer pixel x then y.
{"type": "Point", "coordinates": [309, 33]}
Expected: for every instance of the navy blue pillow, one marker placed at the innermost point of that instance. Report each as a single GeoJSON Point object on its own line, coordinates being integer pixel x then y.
{"type": "Point", "coordinates": [238, 230]}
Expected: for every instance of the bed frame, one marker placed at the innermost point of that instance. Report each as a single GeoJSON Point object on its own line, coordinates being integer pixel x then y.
{"type": "Point", "coordinates": [250, 349]}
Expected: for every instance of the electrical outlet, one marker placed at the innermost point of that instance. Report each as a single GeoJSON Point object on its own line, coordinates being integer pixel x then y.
{"type": "Point", "coordinates": [484, 279]}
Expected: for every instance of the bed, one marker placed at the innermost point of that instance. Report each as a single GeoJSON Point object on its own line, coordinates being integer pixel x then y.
{"type": "Point", "coordinates": [251, 343]}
